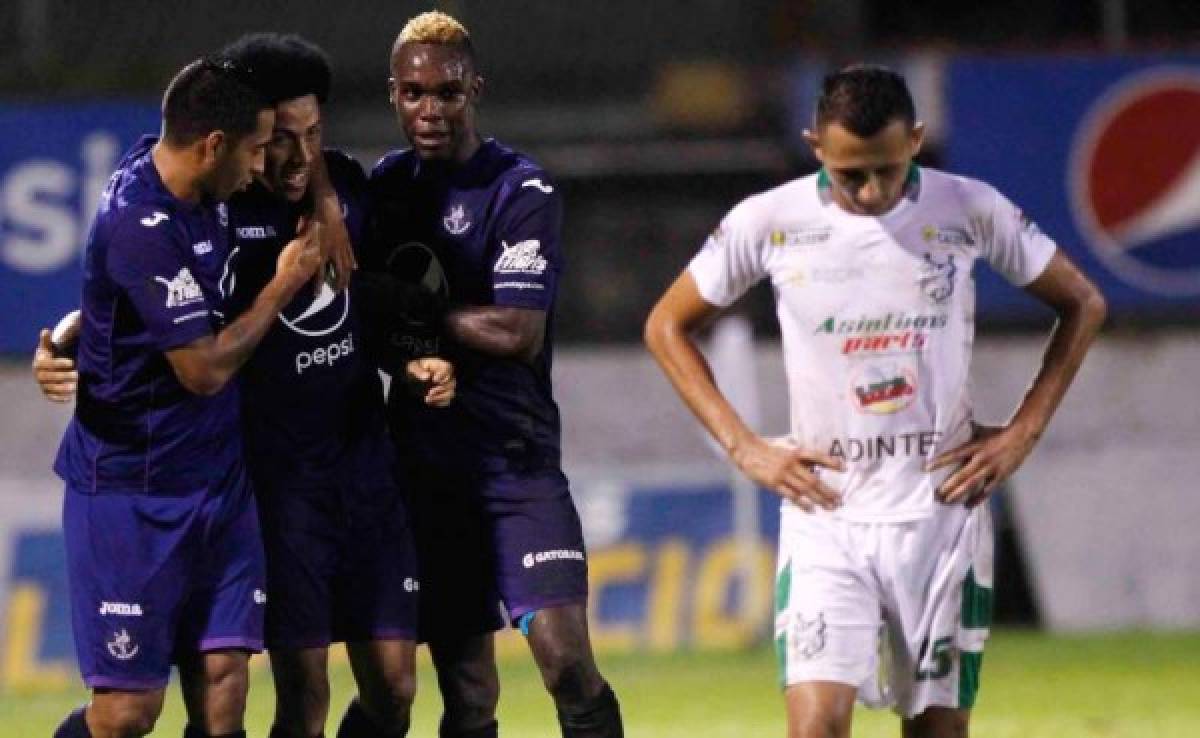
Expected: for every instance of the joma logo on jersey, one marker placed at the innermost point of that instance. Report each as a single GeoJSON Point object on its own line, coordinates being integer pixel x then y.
{"type": "Point", "coordinates": [127, 609]}
{"type": "Point", "coordinates": [562, 554]}
{"type": "Point", "coordinates": [154, 219]}
{"type": "Point", "coordinates": [182, 289]}
{"type": "Point", "coordinates": [521, 258]}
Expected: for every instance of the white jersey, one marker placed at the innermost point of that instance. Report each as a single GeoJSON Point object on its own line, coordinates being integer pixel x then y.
{"type": "Point", "coordinates": [878, 316]}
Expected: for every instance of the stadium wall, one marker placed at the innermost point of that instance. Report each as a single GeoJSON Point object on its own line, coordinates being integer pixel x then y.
{"type": "Point", "coordinates": [1106, 506]}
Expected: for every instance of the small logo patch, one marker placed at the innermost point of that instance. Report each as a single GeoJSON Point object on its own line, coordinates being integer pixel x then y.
{"type": "Point", "coordinates": [545, 188]}
{"type": "Point", "coordinates": [154, 219]}
{"type": "Point", "coordinates": [260, 597]}
{"type": "Point", "coordinates": [126, 609]}
{"type": "Point", "coordinates": [521, 258]}
{"type": "Point", "coordinates": [411, 585]}
{"type": "Point", "coordinates": [531, 560]}
{"type": "Point", "coordinates": [808, 636]}
{"type": "Point", "coordinates": [182, 289]}
{"type": "Point", "coordinates": [122, 646]}
{"type": "Point", "coordinates": [456, 220]}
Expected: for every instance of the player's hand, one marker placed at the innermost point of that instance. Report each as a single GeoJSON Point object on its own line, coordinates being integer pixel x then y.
{"type": "Point", "coordinates": [789, 472]}
{"type": "Point", "coordinates": [989, 458]}
{"type": "Point", "coordinates": [301, 257]}
{"type": "Point", "coordinates": [56, 377]}
{"type": "Point", "coordinates": [337, 254]}
{"type": "Point", "coordinates": [436, 377]}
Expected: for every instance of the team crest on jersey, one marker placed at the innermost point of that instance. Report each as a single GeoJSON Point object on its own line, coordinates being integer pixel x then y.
{"type": "Point", "coordinates": [182, 289]}
{"type": "Point", "coordinates": [122, 646]}
{"type": "Point", "coordinates": [937, 278]}
{"type": "Point", "coordinates": [456, 220]}
{"type": "Point", "coordinates": [808, 636]}
{"type": "Point", "coordinates": [883, 389]}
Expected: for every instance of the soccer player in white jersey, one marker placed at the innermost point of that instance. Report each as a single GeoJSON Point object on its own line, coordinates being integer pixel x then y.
{"type": "Point", "coordinates": [885, 549]}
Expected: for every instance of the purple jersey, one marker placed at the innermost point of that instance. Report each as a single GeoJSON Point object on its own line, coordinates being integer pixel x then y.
{"type": "Point", "coordinates": [492, 225]}
{"type": "Point", "coordinates": [152, 272]}
{"type": "Point", "coordinates": [312, 403]}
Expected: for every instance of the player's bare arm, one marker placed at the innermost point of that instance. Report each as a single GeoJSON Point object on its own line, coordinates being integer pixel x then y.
{"type": "Point", "coordinates": [996, 452]}
{"type": "Point", "coordinates": [204, 366]}
{"type": "Point", "coordinates": [506, 332]}
{"type": "Point", "coordinates": [336, 249]}
{"type": "Point", "coordinates": [435, 377]}
{"type": "Point", "coordinates": [789, 472]}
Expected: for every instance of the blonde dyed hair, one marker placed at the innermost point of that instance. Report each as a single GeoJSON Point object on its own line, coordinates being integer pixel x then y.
{"type": "Point", "coordinates": [434, 27]}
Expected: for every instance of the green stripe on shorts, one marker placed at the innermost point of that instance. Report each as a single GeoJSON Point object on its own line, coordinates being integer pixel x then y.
{"type": "Point", "coordinates": [976, 603]}
{"type": "Point", "coordinates": [783, 592]}
{"type": "Point", "coordinates": [969, 665]}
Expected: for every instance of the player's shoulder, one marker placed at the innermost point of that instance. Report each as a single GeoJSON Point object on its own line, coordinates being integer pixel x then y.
{"type": "Point", "coordinates": [394, 166]}
{"type": "Point", "coordinates": [947, 187]}
{"type": "Point", "coordinates": [342, 165]}
{"type": "Point", "coordinates": [764, 210]}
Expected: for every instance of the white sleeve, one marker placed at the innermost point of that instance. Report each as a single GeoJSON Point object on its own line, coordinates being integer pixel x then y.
{"type": "Point", "coordinates": [1013, 244]}
{"type": "Point", "coordinates": [730, 262]}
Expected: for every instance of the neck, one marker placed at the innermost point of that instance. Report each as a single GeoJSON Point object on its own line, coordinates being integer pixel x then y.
{"type": "Point", "coordinates": [177, 173]}
{"type": "Point", "coordinates": [469, 146]}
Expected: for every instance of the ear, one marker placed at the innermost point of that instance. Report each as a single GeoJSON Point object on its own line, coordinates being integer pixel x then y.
{"type": "Point", "coordinates": [477, 87]}
{"type": "Point", "coordinates": [916, 137]}
{"type": "Point", "coordinates": [213, 146]}
{"type": "Point", "coordinates": [814, 143]}
{"type": "Point", "coordinates": [392, 90]}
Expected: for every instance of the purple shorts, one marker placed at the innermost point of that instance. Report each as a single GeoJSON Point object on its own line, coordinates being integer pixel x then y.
{"type": "Point", "coordinates": [153, 577]}
{"type": "Point", "coordinates": [490, 543]}
{"type": "Point", "coordinates": [340, 564]}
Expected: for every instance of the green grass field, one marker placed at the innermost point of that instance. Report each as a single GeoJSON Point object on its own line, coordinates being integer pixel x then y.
{"type": "Point", "coordinates": [1034, 686]}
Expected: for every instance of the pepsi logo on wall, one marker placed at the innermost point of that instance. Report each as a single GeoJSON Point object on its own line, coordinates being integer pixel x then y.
{"type": "Point", "coordinates": [1134, 179]}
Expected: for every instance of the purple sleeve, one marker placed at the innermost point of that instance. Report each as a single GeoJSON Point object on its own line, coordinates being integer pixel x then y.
{"type": "Point", "coordinates": [145, 258]}
{"type": "Point", "coordinates": [526, 258]}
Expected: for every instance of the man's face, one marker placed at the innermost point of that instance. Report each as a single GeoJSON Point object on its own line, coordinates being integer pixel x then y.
{"type": "Point", "coordinates": [867, 174]}
{"type": "Point", "coordinates": [237, 161]}
{"type": "Point", "coordinates": [434, 91]}
{"type": "Point", "coordinates": [294, 146]}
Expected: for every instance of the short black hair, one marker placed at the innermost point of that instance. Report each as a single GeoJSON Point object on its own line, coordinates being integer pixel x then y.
{"type": "Point", "coordinates": [864, 99]}
{"type": "Point", "coordinates": [210, 94]}
{"type": "Point", "coordinates": [283, 66]}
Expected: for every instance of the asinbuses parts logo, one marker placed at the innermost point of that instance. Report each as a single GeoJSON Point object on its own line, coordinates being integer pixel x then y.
{"type": "Point", "coordinates": [1134, 180]}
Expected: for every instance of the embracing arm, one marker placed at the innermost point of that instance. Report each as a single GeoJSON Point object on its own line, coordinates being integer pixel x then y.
{"type": "Point", "coordinates": [205, 365]}
{"type": "Point", "coordinates": [496, 330]}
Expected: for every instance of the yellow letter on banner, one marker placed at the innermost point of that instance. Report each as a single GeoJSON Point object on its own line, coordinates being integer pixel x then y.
{"type": "Point", "coordinates": [622, 563]}
{"type": "Point", "coordinates": [714, 627]}
{"type": "Point", "coordinates": [666, 595]}
{"type": "Point", "coordinates": [21, 669]}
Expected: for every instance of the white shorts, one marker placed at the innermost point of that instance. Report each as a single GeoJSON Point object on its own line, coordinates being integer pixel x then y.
{"type": "Point", "coordinates": [898, 610]}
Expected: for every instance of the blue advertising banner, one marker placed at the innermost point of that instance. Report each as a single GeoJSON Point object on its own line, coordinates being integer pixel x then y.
{"type": "Point", "coordinates": [54, 164]}
{"type": "Point", "coordinates": [1104, 154]}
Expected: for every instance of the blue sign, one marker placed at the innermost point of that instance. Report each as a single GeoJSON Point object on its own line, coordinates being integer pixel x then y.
{"type": "Point", "coordinates": [1104, 154]}
{"type": "Point", "coordinates": [54, 164]}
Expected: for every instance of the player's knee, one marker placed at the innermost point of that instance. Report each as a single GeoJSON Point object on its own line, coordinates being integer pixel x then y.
{"type": "Point", "coordinates": [819, 724]}
{"type": "Point", "coordinates": [391, 701]}
{"type": "Point", "coordinates": [569, 675]}
{"type": "Point", "coordinates": [129, 718]}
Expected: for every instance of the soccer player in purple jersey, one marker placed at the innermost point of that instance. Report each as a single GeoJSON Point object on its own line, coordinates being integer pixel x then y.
{"type": "Point", "coordinates": [494, 516]}
{"type": "Point", "coordinates": [164, 556]}
{"type": "Point", "coordinates": [340, 564]}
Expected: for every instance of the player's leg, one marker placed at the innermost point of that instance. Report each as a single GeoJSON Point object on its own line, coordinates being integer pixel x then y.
{"type": "Point", "coordinates": [819, 709]}
{"type": "Point", "coordinates": [586, 705]}
{"type": "Point", "coordinates": [214, 686]}
{"type": "Point", "coordinates": [938, 722]}
{"type": "Point", "coordinates": [223, 617]}
{"type": "Point", "coordinates": [126, 564]}
{"type": "Point", "coordinates": [542, 576]}
{"type": "Point", "coordinates": [301, 678]}
{"type": "Point", "coordinates": [469, 683]}
{"type": "Point", "coordinates": [459, 607]}
{"type": "Point", "coordinates": [386, 674]}
{"type": "Point", "coordinates": [939, 613]}
{"type": "Point", "coordinates": [114, 714]}
{"type": "Point", "coordinates": [827, 618]}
